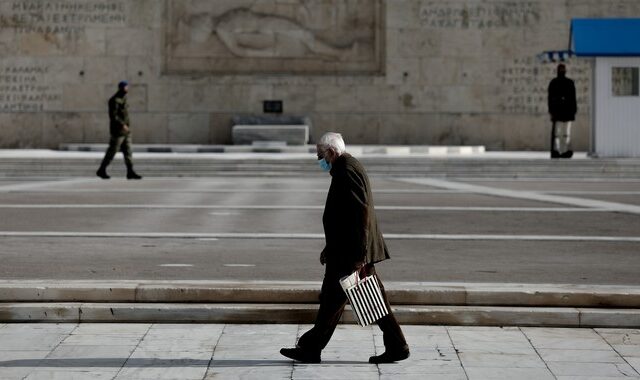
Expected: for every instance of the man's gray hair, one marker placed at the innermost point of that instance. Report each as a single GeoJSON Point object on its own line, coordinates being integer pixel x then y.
{"type": "Point", "coordinates": [334, 141]}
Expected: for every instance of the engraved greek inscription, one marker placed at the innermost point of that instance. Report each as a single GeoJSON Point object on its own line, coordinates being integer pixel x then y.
{"type": "Point", "coordinates": [62, 17]}
{"type": "Point", "coordinates": [525, 82]}
{"type": "Point", "coordinates": [496, 15]}
{"type": "Point", "coordinates": [23, 89]}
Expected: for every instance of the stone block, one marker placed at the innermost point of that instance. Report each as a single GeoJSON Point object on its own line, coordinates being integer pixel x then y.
{"type": "Point", "coordinates": [509, 373]}
{"type": "Point", "coordinates": [358, 127]}
{"type": "Point", "coordinates": [206, 98]}
{"type": "Point", "coordinates": [481, 359]}
{"type": "Point", "coordinates": [291, 134]}
{"type": "Point", "coordinates": [91, 43]}
{"type": "Point", "coordinates": [620, 318]}
{"type": "Point", "coordinates": [403, 71]}
{"type": "Point", "coordinates": [226, 294]}
{"type": "Point", "coordinates": [410, 129]}
{"type": "Point", "coordinates": [377, 99]}
{"type": "Point", "coordinates": [579, 355]}
{"type": "Point", "coordinates": [150, 128]}
{"type": "Point", "coordinates": [137, 97]}
{"type": "Point", "coordinates": [419, 99]}
{"type": "Point", "coordinates": [145, 12]}
{"type": "Point", "coordinates": [466, 99]}
{"type": "Point", "coordinates": [322, 123]}
{"type": "Point", "coordinates": [296, 99]}
{"type": "Point", "coordinates": [139, 41]}
{"type": "Point", "coordinates": [21, 130]}
{"type": "Point", "coordinates": [85, 97]}
{"type": "Point", "coordinates": [158, 97]}
{"type": "Point", "coordinates": [8, 43]}
{"type": "Point", "coordinates": [430, 296]}
{"type": "Point", "coordinates": [462, 44]}
{"type": "Point", "coordinates": [65, 293]}
{"type": "Point", "coordinates": [96, 127]}
{"type": "Point", "coordinates": [105, 70]}
{"type": "Point", "coordinates": [488, 316]}
{"type": "Point", "coordinates": [220, 128]}
{"type": "Point", "coordinates": [37, 312]}
{"type": "Point", "coordinates": [63, 127]}
{"type": "Point", "coordinates": [601, 370]}
{"type": "Point", "coordinates": [143, 69]}
{"type": "Point", "coordinates": [332, 99]}
{"type": "Point", "coordinates": [248, 98]}
{"type": "Point", "coordinates": [403, 14]}
{"type": "Point", "coordinates": [218, 313]}
{"type": "Point", "coordinates": [504, 43]}
{"type": "Point", "coordinates": [559, 296]}
{"type": "Point", "coordinates": [188, 128]}
{"type": "Point", "coordinates": [414, 43]}
{"type": "Point", "coordinates": [63, 70]}
{"type": "Point", "coordinates": [49, 44]}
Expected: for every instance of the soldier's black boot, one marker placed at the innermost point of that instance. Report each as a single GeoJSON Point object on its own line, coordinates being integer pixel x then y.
{"type": "Point", "coordinates": [102, 173]}
{"type": "Point", "coordinates": [567, 154]}
{"type": "Point", "coordinates": [133, 175]}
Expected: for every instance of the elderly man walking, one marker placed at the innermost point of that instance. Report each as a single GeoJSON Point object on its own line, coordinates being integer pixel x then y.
{"type": "Point", "coordinates": [353, 241]}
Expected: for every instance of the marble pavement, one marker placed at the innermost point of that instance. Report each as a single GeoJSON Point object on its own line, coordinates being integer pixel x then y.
{"type": "Point", "coordinates": [208, 351]}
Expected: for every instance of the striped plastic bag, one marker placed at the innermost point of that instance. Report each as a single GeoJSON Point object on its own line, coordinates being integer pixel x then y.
{"type": "Point", "coordinates": [365, 297]}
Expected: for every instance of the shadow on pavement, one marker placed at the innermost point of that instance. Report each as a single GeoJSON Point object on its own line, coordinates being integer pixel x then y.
{"type": "Point", "coordinates": [156, 363]}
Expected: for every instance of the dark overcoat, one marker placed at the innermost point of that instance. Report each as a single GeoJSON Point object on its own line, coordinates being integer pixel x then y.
{"type": "Point", "coordinates": [350, 224]}
{"type": "Point", "coordinates": [562, 99]}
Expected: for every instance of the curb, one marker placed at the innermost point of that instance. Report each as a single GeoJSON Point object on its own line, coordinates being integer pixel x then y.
{"type": "Point", "coordinates": [402, 150]}
{"type": "Point", "coordinates": [470, 304]}
{"type": "Point", "coordinates": [306, 292]}
{"type": "Point", "coordinates": [304, 313]}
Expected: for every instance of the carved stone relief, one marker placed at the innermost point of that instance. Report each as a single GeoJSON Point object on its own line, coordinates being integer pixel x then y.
{"type": "Point", "coordinates": [298, 36]}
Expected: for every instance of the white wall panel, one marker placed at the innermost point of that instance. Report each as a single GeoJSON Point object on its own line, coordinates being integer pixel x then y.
{"type": "Point", "coordinates": [617, 118]}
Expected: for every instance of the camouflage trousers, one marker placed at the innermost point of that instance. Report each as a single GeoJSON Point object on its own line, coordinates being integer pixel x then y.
{"type": "Point", "coordinates": [122, 142]}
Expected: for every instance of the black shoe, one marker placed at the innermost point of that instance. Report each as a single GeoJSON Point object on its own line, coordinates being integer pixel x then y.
{"type": "Point", "coordinates": [555, 154]}
{"type": "Point", "coordinates": [567, 154]}
{"type": "Point", "coordinates": [301, 355]}
{"type": "Point", "coordinates": [102, 173]}
{"type": "Point", "coordinates": [389, 357]}
{"type": "Point", "coordinates": [133, 175]}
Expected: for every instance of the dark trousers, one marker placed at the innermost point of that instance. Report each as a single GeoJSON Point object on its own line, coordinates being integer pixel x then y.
{"type": "Point", "coordinates": [122, 142]}
{"type": "Point", "coordinates": [332, 303]}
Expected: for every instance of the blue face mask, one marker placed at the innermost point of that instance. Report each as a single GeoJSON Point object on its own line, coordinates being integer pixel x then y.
{"type": "Point", "coordinates": [326, 166]}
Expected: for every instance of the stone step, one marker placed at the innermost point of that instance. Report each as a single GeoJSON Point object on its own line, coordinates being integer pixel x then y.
{"type": "Point", "coordinates": [305, 313]}
{"type": "Point", "coordinates": [261, 167]}
{"type": "Point", "coordinates": [302, 292]}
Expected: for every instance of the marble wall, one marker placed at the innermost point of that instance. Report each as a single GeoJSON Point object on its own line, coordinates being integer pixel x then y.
{"type": "Point", "coordinates": [379, 71]}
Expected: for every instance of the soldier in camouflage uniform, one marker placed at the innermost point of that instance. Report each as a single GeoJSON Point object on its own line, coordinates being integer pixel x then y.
{"type": "Point", "coordinates": [120, 133]}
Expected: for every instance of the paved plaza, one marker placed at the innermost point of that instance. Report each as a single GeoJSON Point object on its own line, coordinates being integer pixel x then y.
{"type": "Point", "coordinates": [215, 351]}
{"type": "Point", "coordinates": [574, 231]}
{"type": "Point", "coordinates": [506, 233]}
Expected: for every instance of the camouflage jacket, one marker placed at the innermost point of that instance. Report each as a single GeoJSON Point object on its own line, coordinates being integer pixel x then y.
{"type": "Point", "coordinates": [118, 113]}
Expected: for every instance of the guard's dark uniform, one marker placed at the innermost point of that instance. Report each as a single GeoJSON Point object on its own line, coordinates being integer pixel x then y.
{"type": "Point", "coordinates": [120, 138]}
{"type": "Point", "coordinates": [352, 239]}
{"type": "Point", "coordinates": [562, 105]}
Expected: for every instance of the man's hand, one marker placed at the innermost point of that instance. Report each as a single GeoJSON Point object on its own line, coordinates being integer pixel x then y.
{"type": "Point", "coordinates": [125, 128]}
{"type": "Point", "coordinates": [323, 257]}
